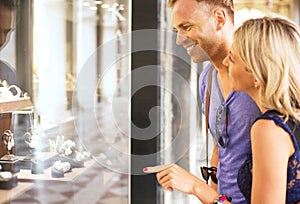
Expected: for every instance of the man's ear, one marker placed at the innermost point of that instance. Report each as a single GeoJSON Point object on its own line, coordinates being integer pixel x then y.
{"type": "Point", "coordinates": [220, 16]}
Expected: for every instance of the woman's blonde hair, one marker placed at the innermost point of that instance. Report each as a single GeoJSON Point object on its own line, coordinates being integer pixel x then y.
{"type": "Point", "coordinates": [270, 48]}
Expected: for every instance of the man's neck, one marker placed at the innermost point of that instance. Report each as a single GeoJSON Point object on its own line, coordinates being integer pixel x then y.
{"type": "Point", "coordinates": [223, 78]}
{"type": "Point", "coordinates": [220, 67]}
{"type": "Point", "coordinates": [218, 58]}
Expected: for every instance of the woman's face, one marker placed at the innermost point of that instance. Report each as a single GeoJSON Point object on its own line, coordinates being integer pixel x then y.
{"type": "Point", "coordinates": [241, 79]}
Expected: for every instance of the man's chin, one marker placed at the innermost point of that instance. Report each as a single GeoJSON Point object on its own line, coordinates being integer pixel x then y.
{"type": "Point", "coordinates": [200, 59]}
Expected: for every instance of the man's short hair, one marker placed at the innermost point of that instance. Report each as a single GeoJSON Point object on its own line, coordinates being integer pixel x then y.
{"type": "Point", "coordinates": [228, 4]}
{"type": "Point", "coordinates": [11, 4]}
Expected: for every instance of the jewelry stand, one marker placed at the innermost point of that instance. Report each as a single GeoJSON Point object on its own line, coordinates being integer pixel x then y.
{"type": "Point", "coordinates": [9, 161]}
{"type": "Point", "coordinates": [8, 180]}
{"type": "Point", "coordinates": [10, 165]}
{"type": "Point", "coordinates": [38, 160]}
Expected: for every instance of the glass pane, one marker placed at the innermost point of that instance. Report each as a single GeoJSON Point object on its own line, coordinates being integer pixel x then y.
{"type": "Point", "coordinates": [182, 139]}
{"type": "Point", "coordinates": [80, 76]}
{"type": "Point", "coordinates": [73, 146]}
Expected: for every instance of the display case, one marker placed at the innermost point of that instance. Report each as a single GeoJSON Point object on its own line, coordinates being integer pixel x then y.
{"type": "Point", "coordinates": [6, 109]}
{"type": "Point", "coordinates": [8, 161]}
{"type": "Point", "coordinates": [54, 46]}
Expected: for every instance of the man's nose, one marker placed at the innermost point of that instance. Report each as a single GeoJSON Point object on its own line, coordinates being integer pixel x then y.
{"type": "Point", "coordinates": [180, 38]}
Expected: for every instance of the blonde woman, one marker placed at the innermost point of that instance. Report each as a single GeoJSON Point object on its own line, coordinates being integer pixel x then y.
{"type": "Point", "coordinates": [264, 62]}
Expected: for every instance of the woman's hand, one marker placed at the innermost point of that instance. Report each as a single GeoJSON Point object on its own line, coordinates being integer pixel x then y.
{"type": "Point", "coordinates": [175, 177]}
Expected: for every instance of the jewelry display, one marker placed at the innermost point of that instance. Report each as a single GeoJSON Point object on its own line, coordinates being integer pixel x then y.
{"type": "Point", "coordinates": [9, 161]}
{"type": "Point", "coordinates": [6, 175]}
{"type": "Point", "coordinates": [7, 180]}
{"type": "Point", "coordinates": [10, 92]}
{"type": "Point", "coordinates": [60, 168]}
{"type": "Point", "coordinates": [12, 98]}
{"type": "Point", "coordinates": [8, 141]}
{"type": "Point", "coordinates": [35, 137]}
{"type": "Point", "coordinates": [39, 156]}
{"type": "Point", "coordinates": [69, 152]}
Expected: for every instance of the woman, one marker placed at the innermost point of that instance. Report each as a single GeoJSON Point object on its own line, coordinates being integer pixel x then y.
{"type": "Point", "coordinates": [264, 61]}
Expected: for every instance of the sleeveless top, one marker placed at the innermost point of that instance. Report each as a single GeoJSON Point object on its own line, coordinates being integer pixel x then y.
{"type": "Point", "coordinates": [293, 173]}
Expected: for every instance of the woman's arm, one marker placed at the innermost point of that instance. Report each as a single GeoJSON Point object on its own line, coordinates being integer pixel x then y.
{"type": "Point", "coordinates": [177, 178]}
{"type": "Point", "coordinates": [271, 148]}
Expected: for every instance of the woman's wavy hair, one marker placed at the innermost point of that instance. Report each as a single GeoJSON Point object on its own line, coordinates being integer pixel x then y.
{"type": "Point", "coordinates": [270, 48]}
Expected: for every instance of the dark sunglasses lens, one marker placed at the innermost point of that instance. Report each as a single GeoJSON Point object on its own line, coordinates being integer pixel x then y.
{"type": "Point", "coordinates": [205, 174]}
{"type": "Point", "coordinates": [221, 142]}
{"type": "Point", "coordinates": [213, 177]}
{"type": "Point", "coordinates": [221, 126]}
{"type": "Point", "coordinates": [209, 172]}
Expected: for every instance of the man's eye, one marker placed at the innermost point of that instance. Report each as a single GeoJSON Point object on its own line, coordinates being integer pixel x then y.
{"type": "Point", "coordinates": [186, 27]}
{"type": "Point", "coordinates": [175, 30]}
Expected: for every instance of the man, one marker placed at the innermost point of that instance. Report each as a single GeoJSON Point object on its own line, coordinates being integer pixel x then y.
{"type": "Point", "coordinates": [208, 25]}
{"type": "Point", "coordinates": [7, 25]}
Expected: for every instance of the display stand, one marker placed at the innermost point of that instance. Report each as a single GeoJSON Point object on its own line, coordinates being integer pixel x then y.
{"type": "Point", "coordinates": [5, 124]}
{"type": "Point", "coordinates": [82, 185]}
{"type": "Point", "coordinates": [6, 110]}
{"type": "Point", "coordinates": [25, 175]}
{"type": "Point", "coordinates": [8, 161]}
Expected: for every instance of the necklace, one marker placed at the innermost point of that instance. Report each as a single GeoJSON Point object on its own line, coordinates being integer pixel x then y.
{"type": "Point", "coordinates": [222, 88]}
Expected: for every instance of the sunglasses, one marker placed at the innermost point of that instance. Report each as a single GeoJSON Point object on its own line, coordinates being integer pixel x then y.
{"type": "Point", "coordinates": [221, 125]}
{"type": "Point", "coordinates": [209, 172]}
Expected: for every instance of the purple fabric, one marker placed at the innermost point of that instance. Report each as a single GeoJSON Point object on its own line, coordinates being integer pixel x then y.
{"type": "Point", "coordinates": [242, 111]}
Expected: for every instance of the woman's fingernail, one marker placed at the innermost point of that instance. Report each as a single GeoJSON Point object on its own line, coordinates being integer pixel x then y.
{"type": "Point", "coordinates": [145, 169]}
{"type": "Point", "coordinates": [170, 189]}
